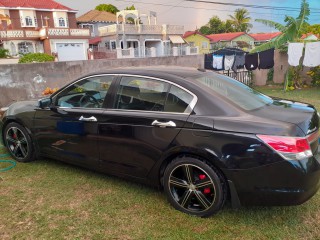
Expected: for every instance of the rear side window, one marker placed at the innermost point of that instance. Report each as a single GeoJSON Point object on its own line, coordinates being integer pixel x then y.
{"type": "Point", "coordinates": [137, 93]}
{"type": "Point", "coordinates": [178, 100]}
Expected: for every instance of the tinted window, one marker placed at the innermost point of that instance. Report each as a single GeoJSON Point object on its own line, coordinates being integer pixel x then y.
{"type": "Point", "coordinates": [141, 94]}
{"type": "Point", "coordinates": [87, 93]}
{"type": "Point", "coordinates": [178, 100]}
{"type": "Point", "coordinates": [240, 94]}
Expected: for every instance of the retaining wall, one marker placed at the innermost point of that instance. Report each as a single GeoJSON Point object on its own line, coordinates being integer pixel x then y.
{"type": "Point", "coordinates": [27, 81]}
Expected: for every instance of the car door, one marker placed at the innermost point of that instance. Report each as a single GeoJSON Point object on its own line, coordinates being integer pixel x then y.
{"type": "Point", "coordinates": [68, 130]}
{"type": "Point", "coordinates": [147, 115]}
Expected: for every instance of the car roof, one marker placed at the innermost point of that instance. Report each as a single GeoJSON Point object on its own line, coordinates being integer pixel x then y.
{"type": "Point", "coordinates": [166, 72]}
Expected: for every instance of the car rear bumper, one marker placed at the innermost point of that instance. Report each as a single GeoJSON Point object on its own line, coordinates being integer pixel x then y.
{"type": "Point", "coordinates": [282, 183]}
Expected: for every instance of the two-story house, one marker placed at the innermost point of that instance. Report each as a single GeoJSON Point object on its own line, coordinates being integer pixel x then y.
{"type": "Point", "coordinates": [142, 40]}
{"type": "Point", "coordinates": [29, 26]}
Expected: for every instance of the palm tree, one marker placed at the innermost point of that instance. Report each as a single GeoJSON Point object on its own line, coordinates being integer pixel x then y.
{"type": "Point", "coordinates": [291, 32]}
{"type": "Point", "coordinates": [241, 20]}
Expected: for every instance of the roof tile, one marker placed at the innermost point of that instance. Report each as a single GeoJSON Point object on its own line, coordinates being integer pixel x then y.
{"type": "Point", "coordinates": [224, 36]}
{"type": "Point", "coordinates": [265, 36]}
{"type": "Point", "coordinates": [38, 4]}
{"type": "Point", "coordinates": [98, 16]}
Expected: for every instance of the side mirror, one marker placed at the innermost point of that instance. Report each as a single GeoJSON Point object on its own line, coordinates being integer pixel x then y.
{"type": "Point", "coordinates": [45, 103]}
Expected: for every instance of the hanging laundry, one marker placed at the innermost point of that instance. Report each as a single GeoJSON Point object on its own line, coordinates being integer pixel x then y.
{"type": "Point", "coordinates": [266, 59]}
{"type": "Point", "coordinates": [251, 61]}
{"type": "Point", "coordinates": [208, 61]}
{"type": "Point", "coordinates": [295, 51]}
{"type": "Point", "coordinates": [217, 62]}
{"type": "Point", "coordinates": [312, 54]}
{"type": "Point", "coordinates": [239, 62]}
{"type": "Point", "coordinates": [228, 62]}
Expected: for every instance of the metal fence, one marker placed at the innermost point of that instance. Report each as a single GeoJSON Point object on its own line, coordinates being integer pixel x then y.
{"type": "Point", "coordinates": [242, 76]}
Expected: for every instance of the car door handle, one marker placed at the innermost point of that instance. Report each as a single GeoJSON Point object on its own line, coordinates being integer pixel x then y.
{"type": "Point", "coordinates": [163, 124]}
{"type": "Point", "coordinates": [90, 119]}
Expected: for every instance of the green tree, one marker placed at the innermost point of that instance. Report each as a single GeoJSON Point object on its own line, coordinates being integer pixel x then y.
{"type": "Point", "coordinates": [315, 29]}
{"type": "Point", "coordinates": [241, 20]}
{"type": "Point", "coordinates": [229, 26]}
{"type": "Point", "coordinates": [291, 32]}
{"type": "Point", "coordinates": [205, 30]}
{"type": "Point", "coordinates": [107, 8]}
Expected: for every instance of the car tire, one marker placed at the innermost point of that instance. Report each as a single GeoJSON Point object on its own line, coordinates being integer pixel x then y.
{"type": "Point", "coordinates": [18, 142]}
{"type": "Point", "coordinates": [195, 187]}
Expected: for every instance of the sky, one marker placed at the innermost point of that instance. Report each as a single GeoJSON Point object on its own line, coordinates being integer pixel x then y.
{"type": "Point", "coordinates": [194, 15]}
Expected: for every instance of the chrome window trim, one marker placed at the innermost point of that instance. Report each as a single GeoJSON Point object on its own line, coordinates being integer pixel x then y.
{"type": "Point", "coordinates": [188, 110]}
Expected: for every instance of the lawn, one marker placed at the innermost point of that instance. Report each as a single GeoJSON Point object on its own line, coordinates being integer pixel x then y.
{"type": "Point", "coordinates": [47, 199]}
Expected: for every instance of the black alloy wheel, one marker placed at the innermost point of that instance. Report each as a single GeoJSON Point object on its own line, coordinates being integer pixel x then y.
{"type": "Point", "coordinates": [19, 143]}
{"type": "Point", "coordinates": [194, 187]}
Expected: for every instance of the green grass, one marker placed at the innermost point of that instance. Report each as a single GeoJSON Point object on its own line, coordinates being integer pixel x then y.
{"type": "Point", "coordinates": [47, 199]}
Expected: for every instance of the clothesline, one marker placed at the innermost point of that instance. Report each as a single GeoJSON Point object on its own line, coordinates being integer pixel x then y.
{"type": "Point", "coordinates": [311, 54]}
{"type": "Point", "coordinates": [227, 59]}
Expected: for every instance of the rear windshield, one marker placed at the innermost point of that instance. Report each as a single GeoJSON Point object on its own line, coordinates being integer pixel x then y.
{"type": "Point", "coordinates": [238, 93]}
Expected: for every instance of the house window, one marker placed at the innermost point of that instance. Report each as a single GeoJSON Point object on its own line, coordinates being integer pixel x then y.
{"type": "Point", "coordinates": [191, 44]}
{"type": "Point", "coordinates": [62, 22]}
{"type": "Point", "coordinates": [113, 45]}
{"type": "Point", "coordinates": [204, 45]}
{"type": "Point", "coordinates": [107, 45]}
{"type": "Point", "coordinates": [29, 21]}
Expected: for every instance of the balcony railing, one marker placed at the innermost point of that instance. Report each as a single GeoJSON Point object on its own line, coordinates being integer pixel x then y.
{"type": "Point", "coordinates": [51, 32]}
{"type": "Point", "coordinates": [140, 29]}
{"type": "Point", "coordinates": [65, 32]}
{"type": "Point", "coordinates": [19, 34]}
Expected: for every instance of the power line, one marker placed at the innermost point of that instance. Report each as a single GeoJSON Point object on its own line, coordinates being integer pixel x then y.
{"type": "Point", "coordinates": [250, 5]}
{"type": "Point", "coordinates": [202, 8]}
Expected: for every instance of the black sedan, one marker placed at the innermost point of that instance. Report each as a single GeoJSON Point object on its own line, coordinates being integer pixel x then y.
{"type": "Point", "coordinates": [201, 136]}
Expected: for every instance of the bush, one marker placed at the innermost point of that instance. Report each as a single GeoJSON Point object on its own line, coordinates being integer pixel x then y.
{"type": "Point", "coordinates": [4, 53]}
{"type": "Point", "coordinates": [314, 73]}
{"type": "Point", "coordinates": [36, 58]}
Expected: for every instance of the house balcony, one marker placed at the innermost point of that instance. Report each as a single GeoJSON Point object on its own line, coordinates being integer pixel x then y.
{"type": "Point", "coordinates": [44, 33]}
{"type": "Point", "coordinates": [19, 34]}
{"type": "Point", "coordinates": [65, 33]}
{"type": "Point", "coordinates": [140, 29]}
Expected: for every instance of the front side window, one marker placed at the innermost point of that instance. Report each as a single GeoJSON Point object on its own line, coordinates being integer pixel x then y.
{"type": "Point", "coordinates": [136, 93]}
{"type": "Point", "coordinates": [86, 93]}
{"type": "Point", "coordinates": [28, 21]}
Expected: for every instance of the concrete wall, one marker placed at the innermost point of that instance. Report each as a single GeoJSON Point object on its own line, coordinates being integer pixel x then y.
{"type": "Point", "coordinates": [281, 66]}
{"type": "Point", "coordinates": [27, 81]}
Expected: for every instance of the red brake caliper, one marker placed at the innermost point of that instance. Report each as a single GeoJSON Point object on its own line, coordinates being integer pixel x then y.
{"type": "Point", "coordinates": [206, 190]}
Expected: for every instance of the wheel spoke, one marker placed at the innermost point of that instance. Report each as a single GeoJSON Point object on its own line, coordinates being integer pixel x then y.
{"type": "Point", "coordinates": [203, 183]}
{"type": "Point", "coordinates": [23, 151]}
{"type": "Point", "coordinates": [176, 182]}
{"type": "Point", "coordinates": [10, 139]}
{"type": "Point", "coordinates": [15, 150]}
{"type": "Point", "coordinates": [188, 172]}
{"type": "Point", "coordinates": [186, 198]}
{"type": "Point", "coordinates": [203, 201]}
{"type": "Point", "coordinates": [23, 140]}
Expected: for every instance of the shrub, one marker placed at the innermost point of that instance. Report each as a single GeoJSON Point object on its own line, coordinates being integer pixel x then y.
{"type": "Point", "coordinates": [36, 58]}
{"type": "Point", "coordinates": [314, 73]}
{"type": "Point", "coordinates": [4, 53]}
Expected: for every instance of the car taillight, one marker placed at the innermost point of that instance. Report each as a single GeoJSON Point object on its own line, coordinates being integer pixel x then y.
{"type": "Point", "coordinates": [290, 148]}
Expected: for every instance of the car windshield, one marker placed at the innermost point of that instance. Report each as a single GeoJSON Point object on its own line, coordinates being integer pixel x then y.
{"type": "Point", "coordinates": [240, 94]}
